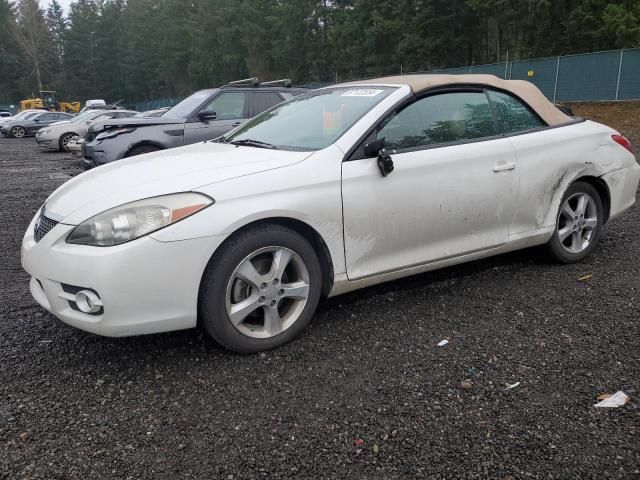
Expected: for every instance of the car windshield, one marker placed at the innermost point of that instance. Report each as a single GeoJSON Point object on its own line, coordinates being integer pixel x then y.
{"type": "Point", "coordinates": [188, 105]}
{"type": "Point", "coordinates": [312, 121]}
{"type": "Point", "coordinates": [83, 117]}
{"type": "Point", "coordinates": [24, 115]}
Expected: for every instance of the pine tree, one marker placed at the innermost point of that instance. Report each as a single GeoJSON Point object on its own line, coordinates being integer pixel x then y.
{"type": "Point", "coordinates": [57, 24]}
{"type": "Point", "coordinates": [33, 38]}
{"type": "Point", "coordinates": [11, 70]}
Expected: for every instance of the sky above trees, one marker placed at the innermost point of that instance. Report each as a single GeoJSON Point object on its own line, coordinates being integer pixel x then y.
{"type": "Point", "coordinates": [63, 3]}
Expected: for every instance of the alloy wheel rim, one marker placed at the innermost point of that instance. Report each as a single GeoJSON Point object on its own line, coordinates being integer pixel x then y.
{"type": "Point", "coordinates": [18, 132]}
{"type": "Point", "coordinates": [66, 139]}
{"type": "Point", "coordinates": [577, 223]}
{"type": "Point", "coordinates": [267, 292]}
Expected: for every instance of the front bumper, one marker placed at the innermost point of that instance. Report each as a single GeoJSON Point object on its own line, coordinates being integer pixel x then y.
{"type": "Point", "coordinates": [146, 286]}
{"type": "Point", "coordinates": [96, 153]}
{"type": "Point", "coordinates": [47, 141]}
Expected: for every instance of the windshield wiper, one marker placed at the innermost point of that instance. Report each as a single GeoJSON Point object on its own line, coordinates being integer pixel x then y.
{"type": "Point", "coordinates": [253, 143]}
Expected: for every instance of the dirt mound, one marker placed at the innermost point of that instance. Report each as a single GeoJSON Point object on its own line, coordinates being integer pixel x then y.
{"type": "Point", "coordinates": [623, 116]}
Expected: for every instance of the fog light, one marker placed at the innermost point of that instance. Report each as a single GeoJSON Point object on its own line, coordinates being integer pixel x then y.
{"type": "Point", "coordinates": [82, 299]}
{"type": "Point", "coordinates": [88, 302]}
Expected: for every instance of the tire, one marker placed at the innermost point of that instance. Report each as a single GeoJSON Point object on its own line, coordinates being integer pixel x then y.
{"type": "Point", "coordinates": [578, 227]}
{"type": "Point", "coordinates": [64, 141]}
{"type": "Point", "coordinates": [141, 149]}
{"type": "Point", "coordinates": [18, 132]}
{"type": "Point", "coordinates": [224, 287]}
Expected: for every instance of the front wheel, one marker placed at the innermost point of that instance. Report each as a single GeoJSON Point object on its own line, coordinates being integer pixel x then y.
{"type": "Point", "coordinates": [18, 132]}
{"type": "Point", "coordinates": [65, 139]}
{"type": "Point", "coordinates": [578, 224]}
{"type": "Point", "coordinates": [141, 150]}
{"type": "Point", "coordinates": [261, 289]}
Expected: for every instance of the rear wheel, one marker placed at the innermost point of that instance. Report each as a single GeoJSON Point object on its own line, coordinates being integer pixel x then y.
{"type": "Point", "coordinates": [261, 289]}
{"type": "Point", "coordinates": [578, 224]}
{"type": "Point", "coordinates": [142, 149]}
{"type": "Point", "coordinates": [65, 139]}
{"type": "Point", "coordinates": [18, 132]}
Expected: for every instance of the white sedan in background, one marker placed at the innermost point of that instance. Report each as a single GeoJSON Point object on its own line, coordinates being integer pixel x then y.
{"type": "Point", "coordinates": [334, 190]}
{"type": "Point", "coordinates": [60, 135]}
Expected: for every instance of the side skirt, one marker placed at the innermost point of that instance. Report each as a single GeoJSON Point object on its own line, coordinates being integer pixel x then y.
{"type": "Point", "coordinates": [342, 284]}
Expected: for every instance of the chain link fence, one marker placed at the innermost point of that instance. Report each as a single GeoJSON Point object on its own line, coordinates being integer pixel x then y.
{"type": "Point", "coordinates": [599, 76]}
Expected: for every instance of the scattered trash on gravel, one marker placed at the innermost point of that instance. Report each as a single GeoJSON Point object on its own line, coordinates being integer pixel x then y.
{"type": "Point", "coordinates": [512, 385]}
{"type": "Point", "coordinates": [585, 278]}
{"type": "Point", "coordinates": [607, 400]}
{"type": "Point", "coordinates": [466, 385]}
{"type": "Point", "coordinates": [364, 372]}
{"type": "Point", "coordinates": [442, 343]}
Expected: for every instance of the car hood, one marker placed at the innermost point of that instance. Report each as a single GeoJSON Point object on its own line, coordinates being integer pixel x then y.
{"type": "Point", "coordinates": [159, 173]}
{"type": "Point", "coordinates": [136, 122]}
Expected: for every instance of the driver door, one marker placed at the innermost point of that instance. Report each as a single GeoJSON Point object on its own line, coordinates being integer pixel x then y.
{"type": "Point", "coordinates": [231, 109]}
{"type": "Point", "coordinates": [43, 121]}
{"type": "Point", "coordinates": [452, 191]}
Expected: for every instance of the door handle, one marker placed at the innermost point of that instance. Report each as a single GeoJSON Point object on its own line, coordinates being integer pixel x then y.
{"type": "Point", "coordinates": [504, 166]}
{"type": "Point", "coordinates": [237, 124]}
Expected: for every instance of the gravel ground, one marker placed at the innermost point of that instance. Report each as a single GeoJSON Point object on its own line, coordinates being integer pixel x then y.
{"type": "Point", "coordinates": [364, 393]}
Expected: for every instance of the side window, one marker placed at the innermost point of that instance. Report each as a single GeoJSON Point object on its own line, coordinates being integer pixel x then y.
{"type": "Point", "coordinates": [438, 119]}
{"type": "Point", "coordinates": [228, 105]}
{"type": "Point", "coordinates": [264, 101]}
{"type": "Point", "coordinates": [48, 117]}
{"type": "Point", "coordinates": [513, 116]}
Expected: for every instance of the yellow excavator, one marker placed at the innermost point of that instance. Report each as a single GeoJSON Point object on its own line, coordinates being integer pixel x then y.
{"type": "Point", "coordinates": [49, 102]}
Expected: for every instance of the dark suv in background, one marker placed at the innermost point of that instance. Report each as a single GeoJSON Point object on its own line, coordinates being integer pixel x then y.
{"type": "Point", "coordinates": [30, 124]}
{"type": "Point", "coordinates": [205, 115]}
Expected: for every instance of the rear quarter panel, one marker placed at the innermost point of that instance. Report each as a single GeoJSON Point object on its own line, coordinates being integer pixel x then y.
{"type": "Point", "coordinates": [550, 160]}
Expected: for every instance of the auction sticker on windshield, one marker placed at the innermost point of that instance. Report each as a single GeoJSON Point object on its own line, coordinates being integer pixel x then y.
{"type": "Point", "coordinates": [362, 92]}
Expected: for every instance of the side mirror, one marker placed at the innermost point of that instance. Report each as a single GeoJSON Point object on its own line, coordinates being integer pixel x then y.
{"type": "Point", "coordinates": [377, 149]}
{"type": "Point", "coordinates": [207, 115]}
{"type": "Point", "coordinates": [372, 149]}
{"type": "Point", "coordinates": [37, 120]}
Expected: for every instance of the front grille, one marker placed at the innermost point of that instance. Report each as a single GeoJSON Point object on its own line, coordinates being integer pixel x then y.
{"type": "Point", "coordinates": [42, 227]}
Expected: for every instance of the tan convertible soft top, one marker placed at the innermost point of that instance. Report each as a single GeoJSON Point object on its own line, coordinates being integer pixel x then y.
{"type": "Point", "coordinates": [525, 90]}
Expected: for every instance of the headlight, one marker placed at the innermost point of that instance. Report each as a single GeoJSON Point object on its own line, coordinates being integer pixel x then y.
{"type": "Point", "coordinates": [137, 219]}
{"type": "Point", "coordinates": [42, 131]}
{"type": "Point", "coordinates": [113, 133]}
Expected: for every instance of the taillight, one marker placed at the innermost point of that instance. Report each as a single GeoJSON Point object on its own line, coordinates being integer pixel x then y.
{"type": "Point", "coordinates": [622, 141]}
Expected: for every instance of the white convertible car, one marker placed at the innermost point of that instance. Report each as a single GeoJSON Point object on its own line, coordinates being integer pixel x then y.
{"type": "Point", "coordinates": [334, 190]}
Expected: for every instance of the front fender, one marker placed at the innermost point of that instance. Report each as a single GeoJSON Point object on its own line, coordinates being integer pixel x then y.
{"type": "Point", "coordinates": [300, 191]}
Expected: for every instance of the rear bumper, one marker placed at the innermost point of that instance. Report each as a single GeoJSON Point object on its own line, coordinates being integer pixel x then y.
{"type": "Point", "coordinates": [623, 186]}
